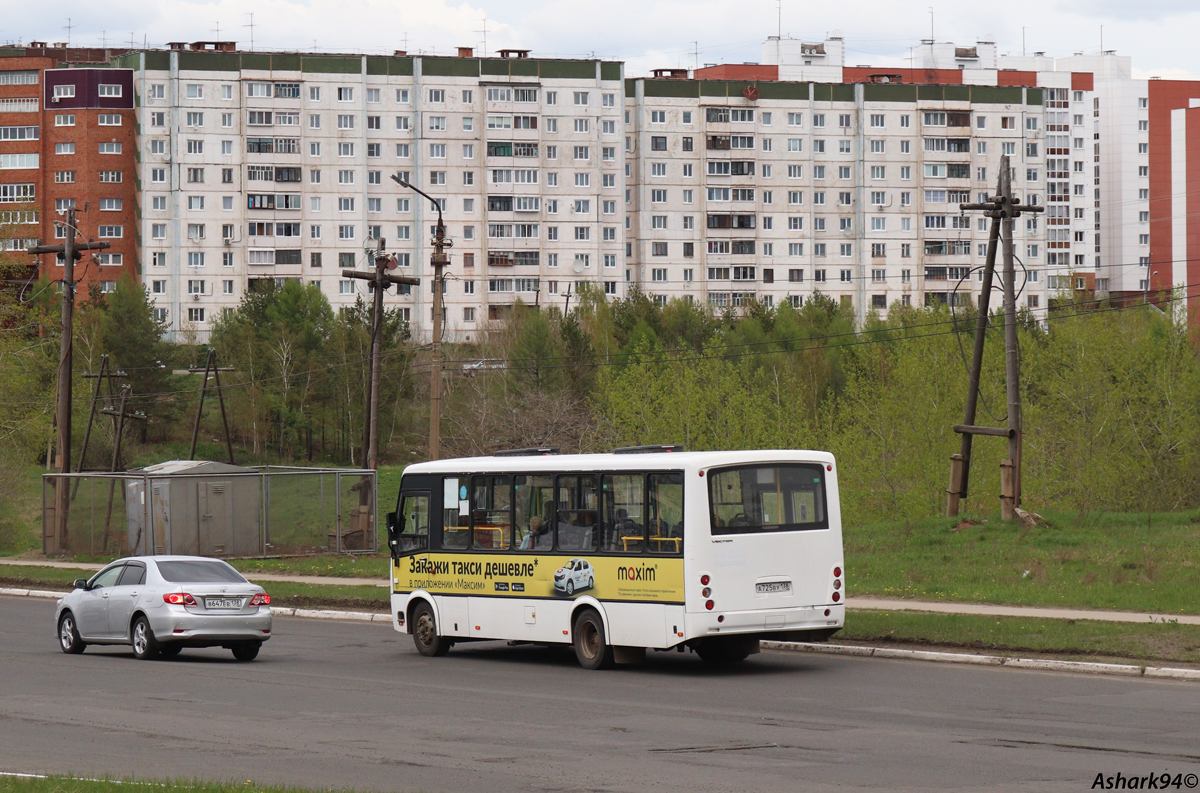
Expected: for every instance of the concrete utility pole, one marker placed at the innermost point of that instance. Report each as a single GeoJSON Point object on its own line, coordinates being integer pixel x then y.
{"type": "Point", "coordinates": [379, 281]}
{"type": "Point", "coordinates": [439, 259]}
{"type": "Point", "coordinates": [62, 462]}
{"type": "Point", "coordinates": [1003, 209]}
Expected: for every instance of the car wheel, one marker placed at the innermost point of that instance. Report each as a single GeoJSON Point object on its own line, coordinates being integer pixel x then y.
{"type": "Point", "coordinates": [425, 633]}
{"type": "Point", "coordinates": [570, 587]}
{"type": "Point", "coordinates": [591, 646]}
{"type": "Point", "coordinates": [145, 646]}
{"type": "Point", "coordinates": [169, 650]}
{"type": "Point", "coordinates": [68, 635]}
{"type": "Point", "coordinates": [246, 651]}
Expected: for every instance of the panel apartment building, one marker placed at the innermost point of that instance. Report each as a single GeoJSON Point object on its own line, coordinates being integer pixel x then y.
{"type": "Point", "coordinates": [1111, 157]}
{"type": "Point", "coordinates": [775, 181]}
{"type": "Point", "coordinates": [278, 166]}
{"type": "Point", "coordinates": [67, 139]}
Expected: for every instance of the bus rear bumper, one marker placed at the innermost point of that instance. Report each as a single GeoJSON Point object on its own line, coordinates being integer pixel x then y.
{"type": "Point", "coordinates": [779, 623]}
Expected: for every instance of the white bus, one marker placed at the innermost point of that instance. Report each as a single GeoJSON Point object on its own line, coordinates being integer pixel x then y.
{"type": "Point", "coordinates": [648, 547]}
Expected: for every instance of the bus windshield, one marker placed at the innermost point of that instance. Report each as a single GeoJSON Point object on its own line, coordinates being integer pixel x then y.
{"type": "Point", "coordinates": [768, 498]}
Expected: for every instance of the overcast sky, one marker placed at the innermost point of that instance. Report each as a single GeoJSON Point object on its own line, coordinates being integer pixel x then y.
{"type": "Point", "coordinates": [1159, 34]}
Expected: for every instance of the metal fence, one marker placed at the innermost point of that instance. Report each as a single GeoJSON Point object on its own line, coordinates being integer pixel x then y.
{"type": "Point", "coordinates": [255, 512]}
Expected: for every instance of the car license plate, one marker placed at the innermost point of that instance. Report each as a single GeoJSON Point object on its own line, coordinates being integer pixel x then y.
{"type": "Point", "coordinates": [222, 603]}
{"type": "Point", "coordinates": [773, 587]}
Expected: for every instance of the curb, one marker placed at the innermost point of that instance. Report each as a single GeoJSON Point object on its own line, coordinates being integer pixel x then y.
{"type": "Point", "coordinates": [326, 614]}
{"type": "Point", "coordinates": [1039, 664]}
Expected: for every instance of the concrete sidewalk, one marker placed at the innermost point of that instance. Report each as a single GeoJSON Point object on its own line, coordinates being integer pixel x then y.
{"type": "Point", "coordinates": [294, 579]}
{"type": "Point", "coordinates": [860, 603]}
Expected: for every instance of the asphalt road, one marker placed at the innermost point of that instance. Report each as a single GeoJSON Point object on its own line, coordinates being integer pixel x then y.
{"type": "Point", "coordinates": [352, 705]}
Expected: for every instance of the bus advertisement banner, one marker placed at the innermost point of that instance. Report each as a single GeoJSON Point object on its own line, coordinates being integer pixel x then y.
{"type": "Point", "coordinates": [644, 579]}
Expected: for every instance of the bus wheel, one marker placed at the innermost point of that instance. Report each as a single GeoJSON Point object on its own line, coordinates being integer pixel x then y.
{"type": "Point", "coordinates": [591, 646]}
{"type": "Point", "coordinates": [425, 635]}
{"type": "Point", "coordinates": [726, 651]}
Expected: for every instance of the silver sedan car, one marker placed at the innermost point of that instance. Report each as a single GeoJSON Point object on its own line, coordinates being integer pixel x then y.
{"type": "Point", "coordinates": [161, 604]}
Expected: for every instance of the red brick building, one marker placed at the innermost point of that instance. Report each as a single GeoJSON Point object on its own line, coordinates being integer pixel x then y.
{"type": "Point", "coordinates": [67, 139]}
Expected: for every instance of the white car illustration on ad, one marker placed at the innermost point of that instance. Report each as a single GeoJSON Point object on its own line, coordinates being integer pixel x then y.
{"type": "Point", "coordinates": [573, 576]}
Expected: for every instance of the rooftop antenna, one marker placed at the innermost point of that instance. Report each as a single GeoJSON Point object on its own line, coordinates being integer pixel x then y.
{"type": "Point", "coordinates": [779, 19]}
{"type": "Point", "coordinates": [931, 37]}
{"type": "Point", "coordinates": [251, 26]}
{"type": "Point", "coordinates": [1102, 41]}
{"type": "Point", "coordinates": [218, 30]}
{"type": "Point", "coordinates": [68, 26]}
{"type": "Point", "coordinates": [696, 54]}
{"type": "Point", "coordinates": [104, 39]}
{"type": "Point", "coordinates": [484, 32]}
{"type": "Point", "coordinates": [131, 39]}
{"type": "Point", "coordinates": [1022, 41]}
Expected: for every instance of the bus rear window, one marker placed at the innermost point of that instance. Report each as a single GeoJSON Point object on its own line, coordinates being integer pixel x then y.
{"type": "Point", "coordinates": [768, 498]}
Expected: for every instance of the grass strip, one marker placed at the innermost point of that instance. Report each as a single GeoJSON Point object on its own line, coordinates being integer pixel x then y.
{"type": "Point", "coordinates": [283, 593]}
{"type": "Point", "coordinates": [67, 784]}
{"type": "Point", "coordinates": [1073, 639]}
{"type": "Point", "coordinates": [1133, 562]}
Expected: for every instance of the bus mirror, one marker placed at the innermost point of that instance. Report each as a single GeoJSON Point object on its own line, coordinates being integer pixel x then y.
{"type": "Point", "coordinates": [393, 530]}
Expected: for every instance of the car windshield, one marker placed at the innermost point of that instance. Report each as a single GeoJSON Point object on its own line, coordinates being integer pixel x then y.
{"type": "Point", "coordinates": [199, 572]}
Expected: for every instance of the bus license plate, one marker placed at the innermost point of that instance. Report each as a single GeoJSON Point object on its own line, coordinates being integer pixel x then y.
{"type": "Point", "coordinates": [222, 603]}
{"type": "Point", "coordinates": [773, 587]}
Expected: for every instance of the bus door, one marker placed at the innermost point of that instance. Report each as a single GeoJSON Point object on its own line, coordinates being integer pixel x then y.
{"type": "Point", "coordinates": [408, 528]}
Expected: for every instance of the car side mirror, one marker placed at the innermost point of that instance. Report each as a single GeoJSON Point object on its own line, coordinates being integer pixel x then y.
{"type": "Point", "coordinates": [79, 583]}
{"type": "Point", "coordinates": [393, 532]}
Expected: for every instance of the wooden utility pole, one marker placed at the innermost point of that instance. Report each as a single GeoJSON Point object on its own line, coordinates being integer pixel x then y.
{"type": "Point", "coordinates": [1002, 209]}
{"type": "Point", "coordinates": [210, 366]}
{"type": "Point", "coordinates": [439, 259]}
{"type": "Point", "coordinates": [379, 281]}
{"type": "Point", "coordinates": [1011, 499]}
{"type": "Point", "coordinates": [62, 462]}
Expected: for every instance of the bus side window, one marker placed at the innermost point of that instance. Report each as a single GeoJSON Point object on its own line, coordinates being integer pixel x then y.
{"type": "Point", "coordinates": [624, 527]}
{"type": "Point", "coordinates": [664, 511]}
{"type": "Point", "coordinates": [533, 504]}
{"type": "Point", "coordinates": [578, 512]}
{"type": "Point", "coordinates": [492, 512]}
{"type": "Point", "coordinates": [455, 524]}
{"type": "Point", "coordinates": [414, 512]}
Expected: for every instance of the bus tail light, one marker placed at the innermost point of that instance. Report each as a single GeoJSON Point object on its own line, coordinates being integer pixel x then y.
{"type": "Point", "coordinates": [837, 572]}
{"type": "Point", "coordinates": [179, 599]}
{"type": "Point", "coordinates": [837, 596]}
{"type": "Point", "coordinates": [708, 604]}
{"type": "Point", "coordinates": [262, 599]}
{"type": "Point", "coordinates": [706, 592]}
{"type": "Point", "coordinates": [704, 579]}
{"type": "Point", "coordinates": [837, 583]}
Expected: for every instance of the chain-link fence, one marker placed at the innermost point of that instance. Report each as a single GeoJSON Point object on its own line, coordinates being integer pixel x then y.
{"type": "Point", "coordinates": [210, 509]}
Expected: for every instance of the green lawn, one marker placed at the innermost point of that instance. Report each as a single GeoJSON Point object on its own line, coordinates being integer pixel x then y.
{"type": "Point", "coordinates": [1125, 561]}
{"type": "Point", "coordinates": [66, 784]}
{"type": "Point", "coordinates": [1075, 639]}
{"type": "Point", "coordinates": [344, 566]}
{"type": "Point", "coordinates": [1098, 560]}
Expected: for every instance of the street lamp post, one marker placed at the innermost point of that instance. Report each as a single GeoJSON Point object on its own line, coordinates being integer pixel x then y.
{"type": "Point", "coordinates": [439, 259]}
